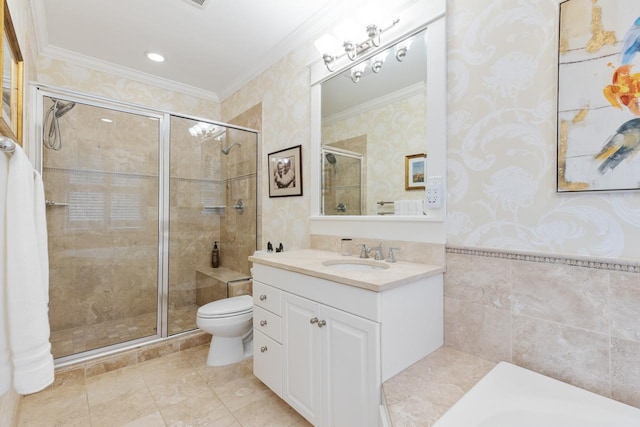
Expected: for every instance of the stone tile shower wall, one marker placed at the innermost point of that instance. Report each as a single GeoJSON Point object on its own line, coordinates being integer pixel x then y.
{"type": "Point", "coordinates": [196, 188]}
{"type": "Point", "coordinates": [343, 179]}
{"type": "Point", "coordinates": [571, 319]}
{"type": "Point", "coordinates": [103, 244]}
{"type": "Point", "coordinates": [239, 232]}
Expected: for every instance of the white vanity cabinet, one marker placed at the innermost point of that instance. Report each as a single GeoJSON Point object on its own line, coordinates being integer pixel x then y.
{"type": "Point", "coordinates": [330, 364]}
{"type": "Point", "coordinates": [267, 336]}
{"type": "Point", "coordinates": [335, 344]}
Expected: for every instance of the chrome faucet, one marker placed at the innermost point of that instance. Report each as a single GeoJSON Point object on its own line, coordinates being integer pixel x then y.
{"type": "Point", "coordinates": [390, 255]}
{"type": "Point", "coordinates": [379, 254]}
{"type": "Point", "coordinates": [364, 253]}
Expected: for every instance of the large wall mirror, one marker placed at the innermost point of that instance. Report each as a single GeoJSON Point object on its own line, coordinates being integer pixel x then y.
{"type": "Point", "coordinates": [368, 128]}
{"type": "Point", "coordinates": [370, 124]}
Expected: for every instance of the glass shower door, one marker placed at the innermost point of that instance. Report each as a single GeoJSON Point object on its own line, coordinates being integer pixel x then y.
{"type": "Point", "coordinates": [212, 197]}
{"type": "Point", "coordinates": [100, 171]}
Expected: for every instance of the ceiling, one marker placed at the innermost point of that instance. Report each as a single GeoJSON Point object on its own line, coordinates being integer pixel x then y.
{"type": "Point", "coordinates": [211, 50]}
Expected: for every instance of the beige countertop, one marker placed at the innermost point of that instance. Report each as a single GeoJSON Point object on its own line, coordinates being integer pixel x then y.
{"type": "Point", "coordinates": [422, 393]}
{"type": "Point", "coordinates": [310, 262]}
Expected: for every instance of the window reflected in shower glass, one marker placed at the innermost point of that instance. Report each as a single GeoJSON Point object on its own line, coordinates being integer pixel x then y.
{"type": "Point", "coordinates": [102, 179]}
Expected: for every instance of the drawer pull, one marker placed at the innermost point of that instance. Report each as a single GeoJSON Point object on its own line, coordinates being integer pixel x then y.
{"type": "Point", "coordinates": [321, 323]}
{"type": "Point", "coordinates": [263, 323]}
{"type": "Point", "coordinates": [313, 321]}
{"type": "Point", "coordinates": [263, 297]}
{"type": "Point", "coordinates": [263, 349]}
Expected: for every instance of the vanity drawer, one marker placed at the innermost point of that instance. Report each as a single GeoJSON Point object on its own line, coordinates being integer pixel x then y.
{"type": "Point", "coordinates": [266, 297]}
{"type": "Point", "coordinates": [267, 361]}
{"type": "Point", "coordinates": [267, 323]}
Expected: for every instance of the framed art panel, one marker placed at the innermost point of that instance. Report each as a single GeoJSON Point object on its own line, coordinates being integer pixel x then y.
{"type": "Point", "coordinates": [285, 172]}
{"type": "Point", "coordinates": [12, 79]}
{"type": "Point", "coordinates": [598, 95]}
{"type": "Point", "coordinates": [415, 171]}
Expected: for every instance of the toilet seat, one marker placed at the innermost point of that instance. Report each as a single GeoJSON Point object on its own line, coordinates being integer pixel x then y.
{"type": "Point", "coordinates": [228, 307]}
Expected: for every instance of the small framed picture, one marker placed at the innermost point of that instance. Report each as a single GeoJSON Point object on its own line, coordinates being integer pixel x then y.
{"type": "Point", "coordinates": [415, 171]}
{"type": "Point", "coordinates": [285, 172]}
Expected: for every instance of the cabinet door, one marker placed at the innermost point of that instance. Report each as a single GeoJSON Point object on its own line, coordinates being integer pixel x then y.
{"type": "Point", "coordinates": [351, 367]}
{"type": "Point", "coordinates": [267, 361]}
{"type": "Point", "coordinates": [301, 356]}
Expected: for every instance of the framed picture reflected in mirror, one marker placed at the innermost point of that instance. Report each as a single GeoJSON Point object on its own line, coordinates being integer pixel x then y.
{"type": "Point", "coordinates": [415, 171]}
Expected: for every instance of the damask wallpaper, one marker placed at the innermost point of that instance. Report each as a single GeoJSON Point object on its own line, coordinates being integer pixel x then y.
{"type": "Point", "coordinates": [501, 136]}
{"type": "Point", "coordinates": [75, 77]}
{"type": "Point", "coordinates": [502, 140]}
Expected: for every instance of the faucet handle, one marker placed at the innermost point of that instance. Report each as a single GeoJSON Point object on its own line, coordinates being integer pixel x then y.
{"type": "Point", "coordinates": [390, 256]}
{"type": "Point", "coordinates": [364, 253]}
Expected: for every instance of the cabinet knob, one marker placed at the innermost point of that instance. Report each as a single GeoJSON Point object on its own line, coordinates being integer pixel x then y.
{"type": "Point", "coordinates": [263, 297]}
{"type": "Point", "coordinates": [313, 321]}
{"type": "Point", "coordinates": [263, 323]}
{"type": "Point", "coordinates": [263, 349]}
{"type": "Point", "coordinates": [321, 323]}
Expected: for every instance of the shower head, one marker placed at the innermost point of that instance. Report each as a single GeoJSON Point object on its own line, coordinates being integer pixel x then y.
{"type": "Point", "coordinates": [331, 158]}
{"type": "Point", "coordinates": [62, 109]}
{"type": "Point", "coordinates": [226, 150]}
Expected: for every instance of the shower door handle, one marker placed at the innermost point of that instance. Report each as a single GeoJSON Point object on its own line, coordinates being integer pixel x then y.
{"type": "Point", "coordinates": [52, 203]}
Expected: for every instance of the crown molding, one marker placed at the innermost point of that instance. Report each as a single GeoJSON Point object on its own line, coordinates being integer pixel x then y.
{"type": "Point", "coordinates": [304, 34]}
{"type": "Point", "coordinates": [415, 89]}
{"type": "Point", "coordinates": [129, 73]}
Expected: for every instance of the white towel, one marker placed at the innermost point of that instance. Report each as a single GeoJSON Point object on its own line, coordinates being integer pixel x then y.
{"type": "Point", "coordinates": [408, 207]}
{"type": "Point", "coordinates": [5, 362]}
{"type": "Point", "coordinates": [27, 288]}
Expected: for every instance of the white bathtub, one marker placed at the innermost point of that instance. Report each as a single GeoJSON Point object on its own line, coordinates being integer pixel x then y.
{"type": "Point", "coordinates": [510, 396]}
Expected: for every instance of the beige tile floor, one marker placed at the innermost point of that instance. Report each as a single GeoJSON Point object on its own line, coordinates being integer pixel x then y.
{"type": "Point", "coordinates": [174, 390]}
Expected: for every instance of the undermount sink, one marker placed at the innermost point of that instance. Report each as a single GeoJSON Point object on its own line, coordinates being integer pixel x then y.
{"type": "Point", "coordinates": [354, 265]}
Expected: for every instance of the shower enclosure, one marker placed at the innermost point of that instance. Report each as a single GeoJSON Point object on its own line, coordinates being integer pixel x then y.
{"type": "Point", "coordinates": [342, 182]}
{"type": "Point", "coordinates": [135, 200]}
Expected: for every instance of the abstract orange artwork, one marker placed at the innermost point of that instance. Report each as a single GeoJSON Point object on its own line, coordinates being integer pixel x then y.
{"type": "Point", "coordinates": [599, 95]}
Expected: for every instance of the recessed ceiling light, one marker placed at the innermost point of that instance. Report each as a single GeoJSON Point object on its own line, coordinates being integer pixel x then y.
{"type": "Point", "coordinates": [107, 120]}
{"type": "Point", "coordinates": [155, 57]}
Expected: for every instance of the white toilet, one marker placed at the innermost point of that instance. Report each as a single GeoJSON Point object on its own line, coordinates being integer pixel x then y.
{"type": "Point", "coordinates": [230, 322]}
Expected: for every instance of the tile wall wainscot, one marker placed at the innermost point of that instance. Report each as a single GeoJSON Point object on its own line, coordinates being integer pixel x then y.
{"type": "Point", "coordinates": [424, 253]}
{"type": "Point", "coordinates": [574, 319]}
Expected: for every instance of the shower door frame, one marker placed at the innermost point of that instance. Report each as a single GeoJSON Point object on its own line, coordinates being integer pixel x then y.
{"type": "Point", "coordinates": [35, 147]}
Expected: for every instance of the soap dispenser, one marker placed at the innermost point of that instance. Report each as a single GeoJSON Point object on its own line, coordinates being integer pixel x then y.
{"type": "Point", "coordinates": [215, 256]}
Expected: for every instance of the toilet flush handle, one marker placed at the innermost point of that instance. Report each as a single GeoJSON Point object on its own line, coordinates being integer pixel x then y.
{"type": "Point", "coordinates": [263, 323]}
{"type": "Point", "coordinates": [263, 297]}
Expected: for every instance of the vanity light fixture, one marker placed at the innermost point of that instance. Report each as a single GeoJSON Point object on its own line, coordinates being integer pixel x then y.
{"type": "Point", "coordinates": [155, 57]}
{"type": "Point", "coordinates": [378, 60]}
{"type": "Point", "coordinates": [353, 49]}
{"type": "Point", "coordinates": [357, 71]}
{"type": "Point", "coordinates": [402, 48]}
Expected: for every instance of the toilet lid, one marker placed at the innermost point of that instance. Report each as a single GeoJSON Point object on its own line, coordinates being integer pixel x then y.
{"type": "Point", "coordinates": [226, 307]}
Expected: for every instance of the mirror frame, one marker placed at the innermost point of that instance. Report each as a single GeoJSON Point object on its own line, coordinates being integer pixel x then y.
{"type": "Point", "coordinates": [11, 126]}
{"type": "Point", "coordinates": [425, 14]}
